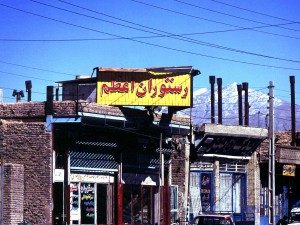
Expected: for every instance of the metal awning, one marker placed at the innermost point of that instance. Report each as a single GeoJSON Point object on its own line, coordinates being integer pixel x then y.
{"type": "Point", "coordinates": [215, 140]}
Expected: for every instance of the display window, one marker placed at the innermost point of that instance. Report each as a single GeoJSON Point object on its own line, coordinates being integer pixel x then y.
{"type": "Point", "coordinates": [91, 203]}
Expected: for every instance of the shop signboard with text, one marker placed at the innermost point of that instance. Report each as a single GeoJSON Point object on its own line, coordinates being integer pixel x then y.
{"type": "Point", "coordinates": [144, 88]}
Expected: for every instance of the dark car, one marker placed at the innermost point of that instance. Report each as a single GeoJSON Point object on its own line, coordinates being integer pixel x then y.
{"type": "Point", "coordinates": [213, 219]}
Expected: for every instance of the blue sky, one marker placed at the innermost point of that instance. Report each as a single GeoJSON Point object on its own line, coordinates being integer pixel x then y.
{"type": "Point", "coordinates": [250, 41]}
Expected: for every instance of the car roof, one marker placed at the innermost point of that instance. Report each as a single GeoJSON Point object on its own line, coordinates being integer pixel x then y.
{"type": "Point", "coordinates": [214, 215]}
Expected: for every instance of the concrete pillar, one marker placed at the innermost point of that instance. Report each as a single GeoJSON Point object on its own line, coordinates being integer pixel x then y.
{"type": "Point", "coordinates": [216, 170]}
{"type": "Point", "coordinates": [253, 190]}
{"type": "Point", "coordinates": [187, 179]}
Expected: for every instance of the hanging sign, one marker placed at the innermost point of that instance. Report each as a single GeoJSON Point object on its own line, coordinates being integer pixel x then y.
{"type": "Point", "coordinates": [289, 170]}
{"type": "Point", "coordinates": [205, 192]}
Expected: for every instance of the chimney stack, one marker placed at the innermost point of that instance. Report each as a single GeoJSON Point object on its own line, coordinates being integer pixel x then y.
{"type": "Point", "coordinates": [246, 106]}
{"type": "Point", "coordinates": [240, 104]}
{"type": "Point", "coordinates": [219, 82]}
{"type": "Point", "coordinates": [292, 82]}
{"type": "Point", "coordinates": [212, 97]}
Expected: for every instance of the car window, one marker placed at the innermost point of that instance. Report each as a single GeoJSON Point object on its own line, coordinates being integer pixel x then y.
{"type": "Point", "coordinates": [210, 220]}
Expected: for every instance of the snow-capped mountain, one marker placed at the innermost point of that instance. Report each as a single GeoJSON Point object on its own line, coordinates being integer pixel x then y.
{"type": "Point", "coordinates": [258, 111]}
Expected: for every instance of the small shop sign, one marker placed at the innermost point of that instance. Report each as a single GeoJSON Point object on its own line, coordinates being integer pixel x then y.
{"type": "Point", "coordinates": [289, 170]}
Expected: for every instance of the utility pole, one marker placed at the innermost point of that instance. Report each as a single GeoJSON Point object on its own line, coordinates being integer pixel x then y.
{"type": "Point", "coordinates": [161, 185]}
{"type": "Point", "coordinates": [271, 172]}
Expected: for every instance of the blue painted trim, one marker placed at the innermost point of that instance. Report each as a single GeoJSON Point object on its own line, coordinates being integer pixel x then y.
{"type": "Point", "coordinates": [78, 119]}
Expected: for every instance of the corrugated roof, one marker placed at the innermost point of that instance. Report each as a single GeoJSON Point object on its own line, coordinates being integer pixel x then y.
{"type": "Point", "coordinates": [93, 160]}
{"type": "Point", "coordinates": [101, 155]}
{"type": "Point", "coordinates": [174, 69]}
{"type": "Point", "coordinates": [131, 70]}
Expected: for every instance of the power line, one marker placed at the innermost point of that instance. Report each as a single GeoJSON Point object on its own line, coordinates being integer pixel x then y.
{"type": "Point", "coordinates": [178, 37]}
{"type": "Point", "coordinates": [252, 11]}
{"type": "Point", "coordinates": [21, 75]}
{"type": "Point", "coordinates": [34, 68]}
{"type": "Point", "coordinates": [150, 44]}
{"type": "Point", "coordinates": [237, 17]}
{"type": "Point", "coordinates": [139, 37]}
{"type": "Point", "coordinates": [214, 21]}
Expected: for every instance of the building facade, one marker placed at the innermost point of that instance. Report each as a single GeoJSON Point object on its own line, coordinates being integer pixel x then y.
{"type": "Point", "coordinates": [287, 156]}
{"type": "Point", "coordinates": [224, 177]}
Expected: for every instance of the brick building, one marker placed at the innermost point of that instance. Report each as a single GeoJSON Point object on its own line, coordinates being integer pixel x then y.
{"type": "Point", "coordinates": [33, 149]}
{"type": "Point", "coordinates": [79, 162]}
{"type": "Point", "coordinates": [287, 172]}
{"type": "Point", "coordinates": [26, 158]}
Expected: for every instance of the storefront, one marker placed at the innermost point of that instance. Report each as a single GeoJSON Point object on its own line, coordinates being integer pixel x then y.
{"type": "Point", "coordinates": [114, 175]}
{"type": "Point", "coordinates": [222, 176]}
{"type": "Point", "coordinates": [121, 153]}
{"type": "Point", "coordinates": [232, 186]}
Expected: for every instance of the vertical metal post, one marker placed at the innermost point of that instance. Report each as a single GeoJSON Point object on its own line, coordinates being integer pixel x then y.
{"type": "Point", "coordinates": [120, 191]}
{"type": "Point", "coordinates": [161, 186]}
{"type": "Point", "coordinates": [271, 172]}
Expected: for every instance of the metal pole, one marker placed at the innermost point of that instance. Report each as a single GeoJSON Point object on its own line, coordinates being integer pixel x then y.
{"type": "Point", "coordinates": [271, 180]}
{"type": "Point", "coordinates": [161, 174]}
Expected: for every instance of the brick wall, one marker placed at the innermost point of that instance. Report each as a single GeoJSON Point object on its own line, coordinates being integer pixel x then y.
{"type": "Point", "coordinates": [36, 110]}
{"type": "Point", "coordinates": [28, 146]}
{"type": "Point", "coordinates": [24, 110]}
{"type": "Point", "coordinates": [13, 197]}
{"type": "Point", "coordinates": [281, 139]}
{"type": "Point", "coordinates": [178, 177]}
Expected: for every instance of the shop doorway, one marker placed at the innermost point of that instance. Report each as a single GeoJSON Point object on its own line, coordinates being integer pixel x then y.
{"type": "Point", "coordinates": [58, 209]}
{"type": "Point", "coordinates": [140, 204]}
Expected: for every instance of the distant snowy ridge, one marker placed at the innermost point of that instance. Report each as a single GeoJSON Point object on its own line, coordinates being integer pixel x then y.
{"type": "Point", "coordinates": [258, 111]}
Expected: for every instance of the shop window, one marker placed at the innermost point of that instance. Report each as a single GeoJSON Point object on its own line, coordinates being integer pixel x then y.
{"type": "Point", "coordinates": [87, 203]}
{"type": "Point", "coordinates": [201, 192]}
{"type": "Point", "coordinates": [91, 203]}
{"type": "Point", "coordinates": [232, 188]}
{"type": "Point", "coordinates": [174, 204]}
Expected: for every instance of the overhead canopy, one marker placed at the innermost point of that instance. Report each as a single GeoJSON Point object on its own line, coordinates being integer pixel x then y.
{"type": "Point", "coordinates": [228, 141]}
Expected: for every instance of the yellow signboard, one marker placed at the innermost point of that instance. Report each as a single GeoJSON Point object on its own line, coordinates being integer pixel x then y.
{"type": "Point", "coordinates": [289, 170]}
{"type": "Point", "coordinates": [144, 88]}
